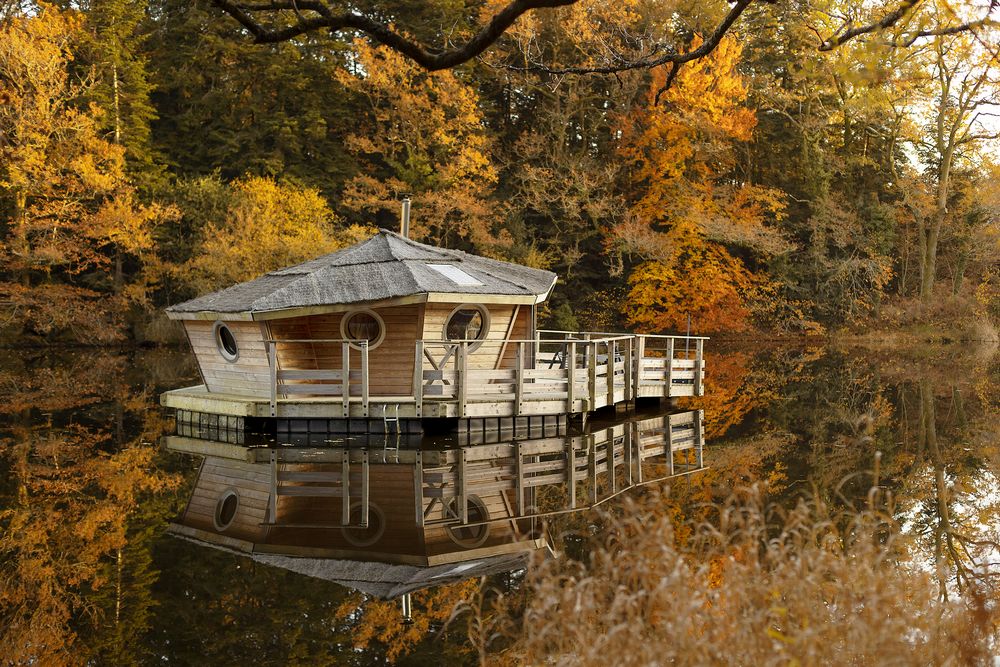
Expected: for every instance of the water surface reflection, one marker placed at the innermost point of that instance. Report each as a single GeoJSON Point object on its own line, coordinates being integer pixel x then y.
{"type": "Point", "coordinates": [90, 574]}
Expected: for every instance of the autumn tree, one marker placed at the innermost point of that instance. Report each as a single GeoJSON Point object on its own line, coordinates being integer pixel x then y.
{"type": "Point", "coordinates": [421, 134]}
{"type": "Point", "coordinates": [266, 226]}
{"type": "Point", "coordinates": [965, 85]}
{"type": "Point", "coordinates": [691, 206]}
{"type": "Point", "coordinates": [65, 202]}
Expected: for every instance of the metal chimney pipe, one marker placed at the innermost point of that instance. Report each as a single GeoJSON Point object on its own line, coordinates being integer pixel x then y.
{"type": "Point", "coordinates": [405, 218]}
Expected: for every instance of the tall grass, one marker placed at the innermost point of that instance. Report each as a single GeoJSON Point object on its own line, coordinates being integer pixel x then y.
{"type": "Point", "coordinates": [751, 585]}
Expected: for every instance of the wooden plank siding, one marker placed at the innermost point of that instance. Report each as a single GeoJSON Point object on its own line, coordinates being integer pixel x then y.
{"type": "Point", "coordinates": [248, 375]}
{"type": "Point", "coordinates": [487, 355]}
{"type": "Point", "coordinates": [390, 364]}
{"type": "Point", "coordinates": [250, 481]}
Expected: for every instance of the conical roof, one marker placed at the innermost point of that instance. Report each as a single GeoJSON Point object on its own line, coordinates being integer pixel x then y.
{"type": "Point", "coordinates": [385, 266]}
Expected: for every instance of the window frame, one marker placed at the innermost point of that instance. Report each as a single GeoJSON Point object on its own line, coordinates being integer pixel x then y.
{"type": "Point", "coordinates": [484, 313]}
{"type": "Point", "coordinates": [345, 335]}
{"type": "Point", "coordinates": [220, 346]}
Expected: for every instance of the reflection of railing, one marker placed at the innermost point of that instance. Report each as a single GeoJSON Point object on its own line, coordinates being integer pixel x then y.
{"type": "Point", "coordinates": [577, 472]}
{"type": "Point", "coordinates": [321, 381]}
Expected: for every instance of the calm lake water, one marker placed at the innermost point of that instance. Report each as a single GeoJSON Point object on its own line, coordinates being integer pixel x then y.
{"type": "Point", "coordinates": [89, 574]}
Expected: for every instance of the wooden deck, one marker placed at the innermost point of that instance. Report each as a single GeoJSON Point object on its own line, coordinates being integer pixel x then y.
{"type": "Point", "coordinates": [555, 373]}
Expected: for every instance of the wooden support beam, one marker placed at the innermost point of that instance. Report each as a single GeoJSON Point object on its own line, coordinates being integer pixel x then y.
{"type": "Point", "coordinates": [364, 489]}
{"type": "Point", "coordinates": [272, 362]}
{"type": "Point", "coordinates": [612, 349]}
{"type": "Point", "coordinates": [364, 378]}
{"type": "Point", "coordinates": [519, 478]}
{"type": "Point", "coordinates": [273, 498]}
{"type": "Point", "coordinates": [668, 389]}
{"type": "Point", "coordinates": [345, 380]}
{"type": "Point", "coordinates": [571, 472]}
{"type": "Point", "coordinates": [345, 481]}
{"type": "Point", "coordinates": [629, 364]}
{"type": "Point", "coordinates": [699, 349]}
{"type": "Point", "coordinates": [669, 446]}
{"type": "Point", "coordinates": [463, 502]}
{"type": "Point", "coordinates": [518, 377]}
{"type": "Point", "coordinates": [591, 376]}
{"type": "Point", "coordinates": [640, 350]}
{"type": "Point", "coordinates": [699, 437]}
{"type": "Point", "coordinates": [461, 375]}
{"type": "Point", "coordinates": [570, 376]}
{"type": "Point", "coordinates": [418, 487]}
{"type": "Point", "coordinates": [418, 378]}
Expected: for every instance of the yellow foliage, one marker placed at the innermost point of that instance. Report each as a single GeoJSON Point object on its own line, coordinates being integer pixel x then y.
{"type": "Point", "coordinates": [426, 138]}
{"type": "Point", "coordinates": [268, 226]}
{"type": "Point", "coordinates": [688, 207]}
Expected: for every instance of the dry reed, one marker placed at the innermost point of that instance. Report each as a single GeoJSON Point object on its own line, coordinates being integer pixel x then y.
{"type": "Point", "coordinates": [754, 585]}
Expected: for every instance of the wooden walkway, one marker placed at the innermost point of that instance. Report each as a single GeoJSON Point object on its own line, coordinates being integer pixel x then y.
{"type": "Point", "coordinates": [556, 373]}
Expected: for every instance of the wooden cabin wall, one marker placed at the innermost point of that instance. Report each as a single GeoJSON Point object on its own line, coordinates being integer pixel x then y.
{"type": "Point", "coordinates": [523, 330]}
{"type": "Point", "coordinates": [250, 481]}
{"type": "Point", "coordinates": [390, 365]}
{"type": "Point", "coordinates": [248, 375]}
{"type": "Point", "coordinates": [487, 355]}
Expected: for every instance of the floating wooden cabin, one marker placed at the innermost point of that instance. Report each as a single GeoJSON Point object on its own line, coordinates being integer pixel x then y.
{"type": "Point", "coordinates": [391, 331]}
{"type": "Point", "coordinates": [427, 506]}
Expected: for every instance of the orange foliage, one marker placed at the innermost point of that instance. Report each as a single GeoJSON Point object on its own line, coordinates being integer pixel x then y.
{"type": "Point", "coordinates": [382, 620]}
{"type": "Point", "coordinates": [689, 209]}
{"type": "Point", "coordinates": [425, 138]}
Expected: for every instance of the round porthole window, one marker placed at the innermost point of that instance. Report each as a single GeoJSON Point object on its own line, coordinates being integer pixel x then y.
{"type": "Point", "coordinates": [225, 509]}
{"type": "Point", "coordinates": [363, 325]}
{"type": "Point", "coordinates": [468, 536]}
{"type": "Point", "coordinates": [225, 341]}
{"type": "Point", "coordinates": [364, 537]}
{"type": "Point", "coordinates": [468, 322]}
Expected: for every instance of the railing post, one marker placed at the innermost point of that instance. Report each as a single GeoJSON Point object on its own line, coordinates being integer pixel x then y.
{"type": "Point", "coordinates": [418, 486]}
{"type": "Point", "coordinates": [592, 376]}
{"type": "Point", "coordinates": [462, 370]}
{"type": "Point", "coordinates": [518, 377]}
{"type": "Point", "coordinates": [364, 379]}
{"type": "Point", "coordinates": [345, 487]}
{"type": "Point", "coordinates": [637, 437]}
{"type": "Point", "coordinates": [669, 442]}
{"type": "Point", "coordinates": [592, 450]}
{"type": "Point", "coordinates": [627, 365]}
{"type": "Point", "coordinates": [272, 500]}
{"type": "Point", "coordinates": [418, 379]}
{"type": "Point", "coordinates": [669, 368]}
{"type": "Point", "coordinates": [571, 376]}
{"type": "Point", "coordinates": [699, 436]}
{"type": "Point", "coordinates": [519, 478]}
{"type": "Point", "coordinates": [571, 472]}
{"type": "Point", "coordinates": [463, 502]}
{"type": "Point", "coordinates": [345, 378]}
{"type": "Point", "coordinates": [699, 349]}
{"type": "Point", "coordinates": [272, 362]}
{"type": "Point", "coordinates": [364, 488]}
{"type": "Point", "coordinates": [640, 350]}
{"type": "Point", "coordinates": [612, 350]}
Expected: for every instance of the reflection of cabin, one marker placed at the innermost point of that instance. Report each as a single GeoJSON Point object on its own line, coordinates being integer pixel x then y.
{"type": "Point", "coordinates": [391, 329]}
{"type": "Point", "coordinates": [424, 506]}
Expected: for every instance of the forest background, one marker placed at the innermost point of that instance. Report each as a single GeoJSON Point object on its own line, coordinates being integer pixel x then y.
{"type": "Point", "coordinates": [149, 152]}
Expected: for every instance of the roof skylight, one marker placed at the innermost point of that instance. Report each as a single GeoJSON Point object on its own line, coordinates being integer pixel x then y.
{"type": "Point", "coordinates": [455, 274]}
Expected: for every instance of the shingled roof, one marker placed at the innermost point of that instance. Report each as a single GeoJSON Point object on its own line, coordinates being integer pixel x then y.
{"type": "Point", "coordinates": [385, 266]}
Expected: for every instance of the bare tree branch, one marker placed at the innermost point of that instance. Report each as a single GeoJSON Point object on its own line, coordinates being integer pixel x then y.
{"type": "Point", "coordinates": [325, 18]}
{"type": "Point", "coordinates": [288, 19]}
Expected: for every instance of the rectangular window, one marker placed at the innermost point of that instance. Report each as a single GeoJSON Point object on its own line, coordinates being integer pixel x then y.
{"type": "Point", "coordinates": [454, 274]}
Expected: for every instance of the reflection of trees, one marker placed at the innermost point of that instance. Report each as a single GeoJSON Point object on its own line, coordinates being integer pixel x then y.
{"type": "Point", "coordinates": [953, 494]}
{"type": "Point", "coordinates": [82, 493]}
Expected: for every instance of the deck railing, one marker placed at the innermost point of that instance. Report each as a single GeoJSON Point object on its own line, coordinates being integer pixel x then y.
{"type": "Point", "coordinates": [557, 372]}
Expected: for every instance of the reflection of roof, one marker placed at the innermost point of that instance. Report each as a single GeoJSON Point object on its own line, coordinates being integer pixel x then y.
{"type": "Point", "coordinates": [385, 266]}
{"type": "Point", "coordinates": [388, 581]}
